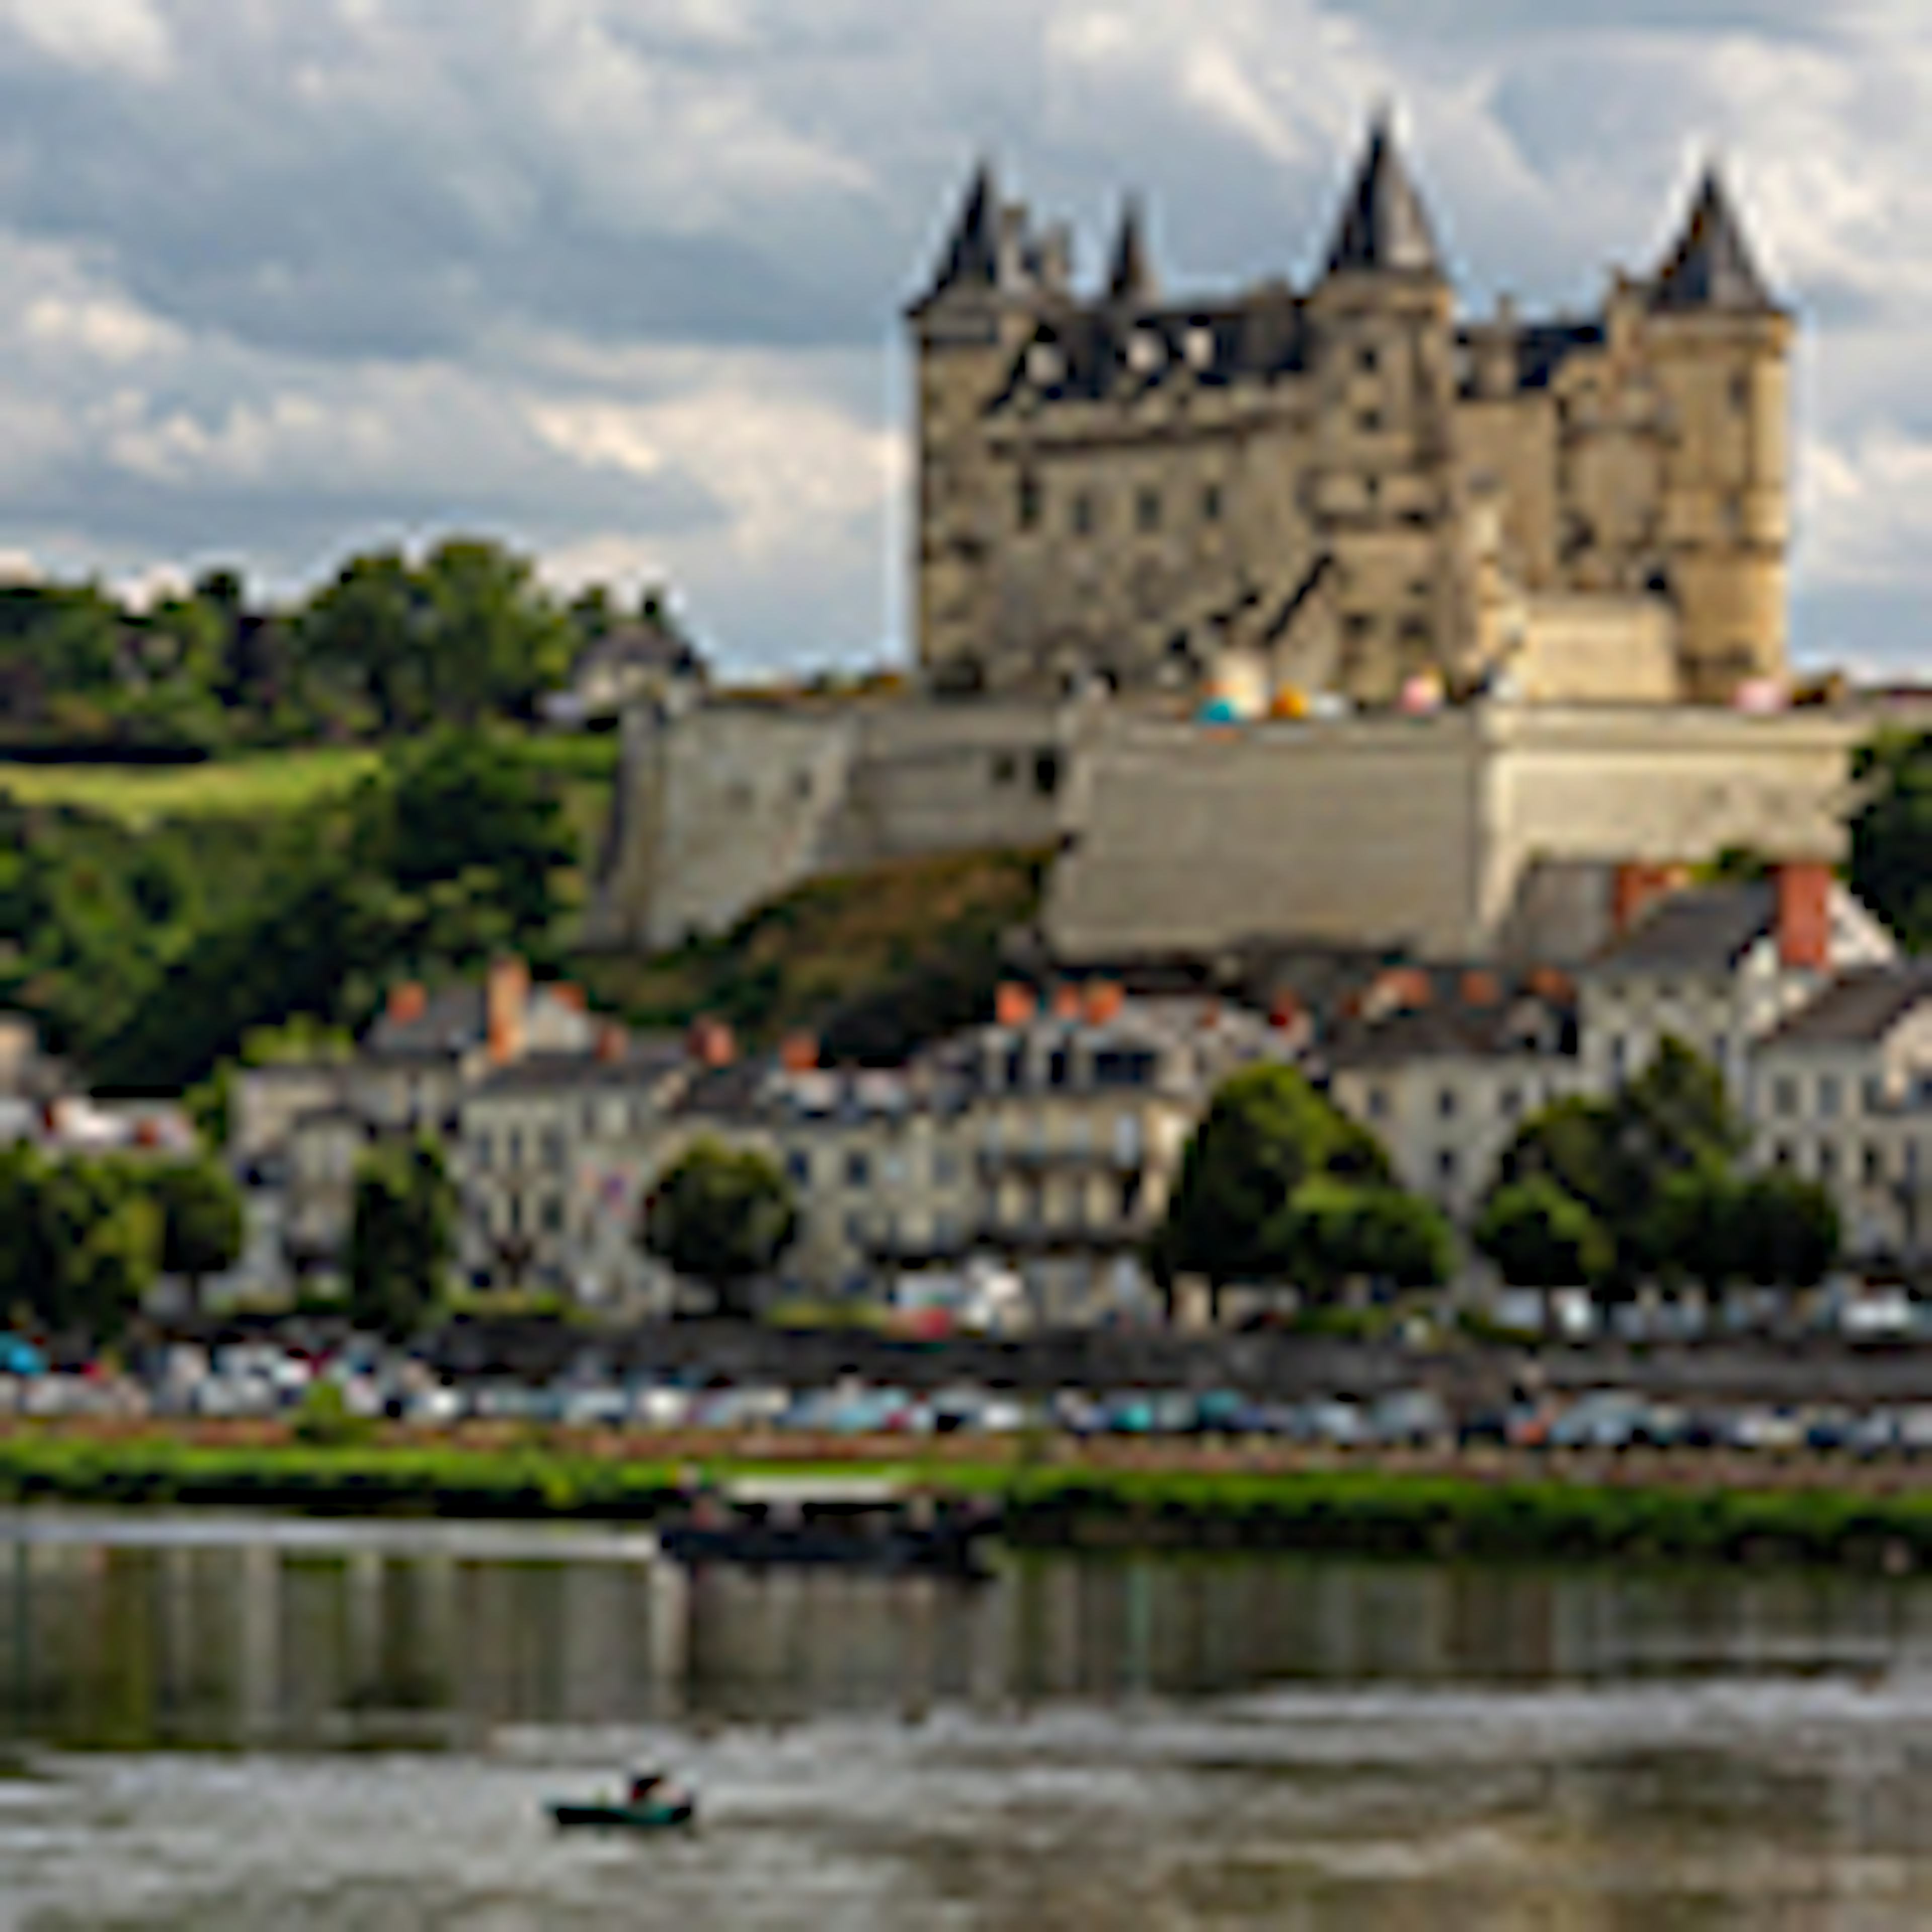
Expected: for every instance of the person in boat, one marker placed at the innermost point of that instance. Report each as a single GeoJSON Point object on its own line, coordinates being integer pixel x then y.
{"type": "Point", "coordinates": [644, 1785]}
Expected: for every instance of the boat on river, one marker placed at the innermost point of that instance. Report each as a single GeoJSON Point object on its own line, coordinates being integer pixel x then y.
{"type": "Point", "coordinates": [870, 1523]}
{"type": "Point", "coordinates": [650, 1803]}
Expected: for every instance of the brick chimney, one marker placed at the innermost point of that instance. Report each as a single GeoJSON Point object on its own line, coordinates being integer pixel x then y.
{"type": "Point", "coordinates": [1401, 989]}
{"type": "Point", "coordinates": [614, 1042]}
{"type": "Point", "coordinates": [1804, 915]}
{"type": "Point", "coordinates": [1106, 1001]}
{"type": "Point", "coordinates": [1066, 1002]}
{"type": "Point", "coordinates": [799, 1053]}
{"type": "Point", "coordinates": [1013, 1004]}
{"type": "Point", "coordinates": [507, 993]}
{"type": "Point", "coordinates": [569, 996]}
{"type": "Point", "coordinates": [1638, 886]}
{"type": "Point", "coordinates": [1553, 984]}
{"type": "Point", "coordinates": [408, 1001]}
{"type": "Point", "coordinates": [1481, 989]}
{"type": "Point", "coordinates": [711, 1043]}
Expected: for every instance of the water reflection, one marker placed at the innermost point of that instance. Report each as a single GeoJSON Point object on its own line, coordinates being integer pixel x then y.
{"type": "Point", "coordinates": [252, 1644]}
{"type": "Point", "coordinates": [256, 1730]}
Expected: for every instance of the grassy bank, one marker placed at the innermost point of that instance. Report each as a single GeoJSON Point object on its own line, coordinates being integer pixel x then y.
{"type": "Point", "coordinates": [1071, 1506]}
{"type": "Point", "coordinates": [264, 785]}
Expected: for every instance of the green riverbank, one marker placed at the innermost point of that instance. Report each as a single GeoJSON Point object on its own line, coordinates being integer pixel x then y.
{"type": "Point", "coordinates": [1360, 1510]}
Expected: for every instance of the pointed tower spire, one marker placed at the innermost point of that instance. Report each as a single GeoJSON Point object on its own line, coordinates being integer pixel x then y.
{"type": "Point", "coordinates": [1711, 265]}
{"type": "Point", "coordinates": [1383, 224]}
{"type": "Point", "coordinates": [1132, 279]}
{"type": "Point", "coordinates": [972, 257]}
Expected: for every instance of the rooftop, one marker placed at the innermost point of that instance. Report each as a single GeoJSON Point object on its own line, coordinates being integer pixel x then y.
{"type": "Point", "coordinates": [1858, 1010]}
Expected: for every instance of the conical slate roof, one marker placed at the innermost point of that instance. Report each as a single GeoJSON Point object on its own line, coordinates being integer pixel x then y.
{"type": "Point", "coordinates": [1132, 278]}
{"type": "Point", "coordinates": [1383, 225]}
{"type": "Point", "coordinates": [1711, 267]}
{"type": "Point", "coordinates": [972, 257]}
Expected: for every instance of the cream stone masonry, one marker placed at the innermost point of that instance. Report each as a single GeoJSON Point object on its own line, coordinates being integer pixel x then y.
{"type": "Point", "coordinates": [1346, 482]}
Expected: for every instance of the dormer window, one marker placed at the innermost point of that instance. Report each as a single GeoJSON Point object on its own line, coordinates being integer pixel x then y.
{"type": "Point", "coordinates": [1146, 352]}
{"type": "Point", "coordinates": [1199, 347]}
{"type": "Point", "coordinates": [1044, 365]}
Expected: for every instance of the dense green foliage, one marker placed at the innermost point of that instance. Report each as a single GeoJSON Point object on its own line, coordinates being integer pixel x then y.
{"type": "Point", "coordinates": [1644, 1186]}
{"type": "Point", "coordinates": [390, 645]}
{"type": "Point", "coordinates": [1278, 1184]}
{"type": "Point", "coordinates": [722, 1216]}
{"type": "Point", "coordinates": [82, 1239]}
{"type": "Point", "coordinates": [202, 1222]}
{"type": "Point", "coordinates": [151, 957]}
{"type": "Point", "coordinates": [1890, 865]}
{"type": "Point", "coordinates": [402, 1238]}
{"type": "Point", "coordinates": [1541, 1236]}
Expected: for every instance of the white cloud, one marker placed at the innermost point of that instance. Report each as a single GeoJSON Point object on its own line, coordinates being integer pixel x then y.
{"type": "Point", "coordinates": [129, 36]}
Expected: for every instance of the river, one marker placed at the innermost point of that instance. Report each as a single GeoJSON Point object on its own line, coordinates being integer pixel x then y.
{"type": "Point", "coordinates": [227, 1724]}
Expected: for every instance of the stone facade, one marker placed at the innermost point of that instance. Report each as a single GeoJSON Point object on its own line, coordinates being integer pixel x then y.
{"type": "Point", "coordinates": [1346, 482]}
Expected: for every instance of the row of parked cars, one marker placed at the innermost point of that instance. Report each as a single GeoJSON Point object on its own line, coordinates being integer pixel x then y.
{"type": "Point", "coordinates": [372, 1380]}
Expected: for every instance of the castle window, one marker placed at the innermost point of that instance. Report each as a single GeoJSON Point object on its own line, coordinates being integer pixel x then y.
{"type": "Point", "coordinates": [1368, 421]}
{"type": "Point", "coordinates": [1083, 513]}
{"type": "Point", "coordinates": [1210, 503]}
{"type": "Point", "coordinates": [1414, 630]}
{"type": "Point", "coordinates": [1740, 392]}
{"type": "Point", "coordinates": [1028, 507]}
{"type": "Point", "coordinates": [1147, 509]}
{"type": "Point", "coordinates": [1046, 773]}
{"type": "Point", "coordinates": [1734, 517]}
{"type": "Point", "coordinates": [1200, 346]}
{"type": "Point", "coordinates": [1366, 356]}
{"type": "Point", "coordinates": [1005, 768]}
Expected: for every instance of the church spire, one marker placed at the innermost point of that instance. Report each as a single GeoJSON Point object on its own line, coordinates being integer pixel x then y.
{"type": "Point", "coordinates": [1383, 225]}
{"type": "Point", "coordinates": [1711, 267]}
{"type": "Point", "coordinates": [1131, 280]}
{"type": "Point", "coordinates": [972, 257]}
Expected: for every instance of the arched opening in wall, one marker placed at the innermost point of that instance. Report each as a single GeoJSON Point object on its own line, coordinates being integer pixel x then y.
{"type": "Point", "coordinates": [961, 676]}
{"type": "Point", "coordinates": [1658, 584]}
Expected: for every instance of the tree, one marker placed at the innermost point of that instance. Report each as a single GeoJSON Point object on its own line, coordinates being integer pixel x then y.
{"type": "Point", "coordinates": [202, 1224]}
{"type": "Point", "coordinates": [1335, 1231]}
{"type": "Point", "coordinates": [1267, 1132]}
{"type": "Point", "coordinates": [1787, 1232]}
{"type": "Point", "coordinates": [1540, 1236]}
{"type": "Point", "coordinates": [1890, 865]}
{"type": "Point", "coordinates": [722, 1216]}
{"type": "Point", "coordinates": [401, 1237]}
{"type": "Point", "coordinates": [1695, 1225]}
{"type": "Point", "coordinates": [101, 1232]}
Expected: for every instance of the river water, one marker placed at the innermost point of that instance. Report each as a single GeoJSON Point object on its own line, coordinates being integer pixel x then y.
{"type": "Point", "coordinates": [216, 1725]}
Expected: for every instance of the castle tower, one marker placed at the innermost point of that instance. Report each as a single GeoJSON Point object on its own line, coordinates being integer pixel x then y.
{"type": "Point", "coordinates": [1383, 367]}
{"type": "Point", "coordinates": [966, 330]}
{"type": "Point", "coordinates": [1719, 347]}
{"type": "Point", "coordinates": [1131, 280]}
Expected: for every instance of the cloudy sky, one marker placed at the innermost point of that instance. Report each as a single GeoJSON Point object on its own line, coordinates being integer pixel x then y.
{"type": "Point", "coordinates": [620, 279]}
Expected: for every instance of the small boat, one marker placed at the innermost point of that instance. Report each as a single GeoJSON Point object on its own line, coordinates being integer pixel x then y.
{"type": "Point", "coordinates": [850, 1523]}
{"type": "Point", "coordinates": [650, 1804]}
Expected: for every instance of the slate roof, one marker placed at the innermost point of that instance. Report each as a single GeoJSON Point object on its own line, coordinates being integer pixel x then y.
{"type": "Point", "coordinates": [972, 257]}
{"type": "Point", "coordinates": [1522, 1027]}
{"type": "Point", "coordinates": [454, 1020]}
{"type": "Point", "coordinates": [646, 1062]}
{"type": "Point", "coordinates": [1858, 1010]}
{"type": "Point", "coordinates": [1262, 336]}
{"type": "Point", "coordinates": [1707, 926]}
{"type": "Point", "coordinates": [1383, 227]}
{"type": "Point", "coordinates": [1710, 266]}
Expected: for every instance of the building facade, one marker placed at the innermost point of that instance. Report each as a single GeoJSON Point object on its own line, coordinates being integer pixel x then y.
{"type": "Point", "coordinates": [1341, 487]}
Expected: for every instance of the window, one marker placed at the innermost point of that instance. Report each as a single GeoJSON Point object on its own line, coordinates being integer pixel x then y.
{"type": "Point", "coordinates": [945, 1167]}
{"type": "Point", "coordinates": [1083, 513]}
{"type": "Point", "coordinates": [1445, 1104]}
{"type": "Point", "coordinates": [516, 1147]}
{"type": "Point", "coordinates": [1827, 1160]}
{"type": "Point", "coordinates": [1446, 1165]}
{"type": "Point", "coordinates": [485, 1153]}
{"type": "Point", "coordinates": [1369, 422]}
{"type": "Point", "coordinates": [1784, 1096]}
{"type": "Point", "coordinates": [552, 1214]}
{"type": "Point", "coordinates": [1741, 392]}
{"type": "Point", "coordinates": [1871, 1164]}
{"type": "Point", "coordinates": [1210, 503]}
{"type": "Point", "coordinates": [1365, 357]}
{"type": "Point", "coordinates": [1046, 773]}
{"type": "Point", "coordinates": [1005, 768]}
{"type": "Point", "coordinates": [1027, 506]}
{"type": "Point", "coordinates": [798, 1168]}
{"type": "Point", "coordinates": [1147, 509]}
{"type": "Point", "coordinates": [1059, 1067]}
{"type": "Point", "coordinates": [1509, 1103]}
{"type": "Point", "coordinates": [1828, 1096]}
{"type": "Point", "coordinates": [1378, 1101]}
{"type": "Point", "coordinates": [552, 1150]}
{"type": "Point", "coordinates": [1874, 1093]}
{"type": "Point", "coordinates": [1781, 1154]}
{"type": "Point", "coordinates": [858, 1169]}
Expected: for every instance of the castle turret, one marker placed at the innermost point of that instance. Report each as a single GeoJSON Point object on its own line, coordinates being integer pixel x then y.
{"type": "Point", "coordinates": [1383, 361]}
{"type": "Point", "coordinates": [1719, 344]}
{"type": "Point", "coordinates": [966, 330]}
{"type": "Point", "coordinates": [1131, 280]}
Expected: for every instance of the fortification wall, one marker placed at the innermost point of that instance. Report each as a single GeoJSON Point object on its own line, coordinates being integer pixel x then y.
{"type": "Point", "coordinates": [1421, 833]}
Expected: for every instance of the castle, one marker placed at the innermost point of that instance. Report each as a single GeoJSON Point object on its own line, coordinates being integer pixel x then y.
{"type": "Point", "coordinates": [1488, 613]}
{"type": "Point", "coordinates": [1339, 489]}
